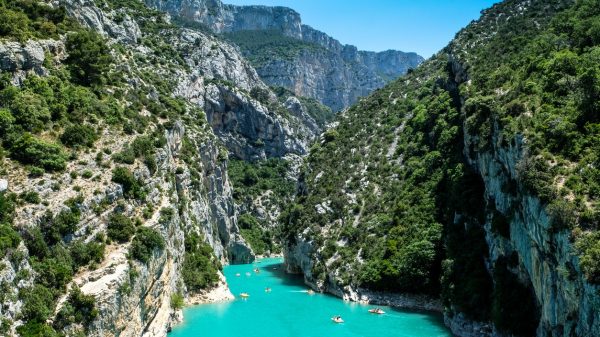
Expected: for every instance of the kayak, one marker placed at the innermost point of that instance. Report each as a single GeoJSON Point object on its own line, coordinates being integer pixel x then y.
{"type": "Point", "coordinates": [244, 295]}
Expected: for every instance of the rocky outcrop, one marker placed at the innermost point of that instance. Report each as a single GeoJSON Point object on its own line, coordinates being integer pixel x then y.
{"type": "Point", "coordinates": [335, 74]}
{"type": "Point", "coordinates": [219, 82]}
{"type": "Point", "coordinates": [297, 260]}
{"type": "Point", "coordinates": [116, 24]}
{"type": "Point", "coordinates": [18, 59]}
{"type": "Point", "coordinates": [567, 303]}
{"type": "Point", "coordinates": [223, 18]}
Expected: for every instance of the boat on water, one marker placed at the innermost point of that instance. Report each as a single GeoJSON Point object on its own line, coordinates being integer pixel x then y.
{"type": "Point", "coordinates": [238, 274]}
{"type": "Point", "coordinates": [244, 295]}
{"type": "Point", "coordinates": [377, 311]}
{"type": "Point", "coordinates": [267, 290]}
{"type": "Point", "coordinates": [337, 319]}
{"type": "Point", "coordinates": [247, 274]}
{"type": "Point", "coordinates": [256, 270]}
{"type": "Point", "coordinates": [310, 292]}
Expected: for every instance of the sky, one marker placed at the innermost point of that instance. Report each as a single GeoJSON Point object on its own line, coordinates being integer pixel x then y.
{"type": "Point", "coordinates": [421, 26]}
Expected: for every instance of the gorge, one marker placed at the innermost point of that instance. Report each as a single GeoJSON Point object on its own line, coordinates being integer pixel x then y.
{"type": "Point", "coordinates": [148, 148]}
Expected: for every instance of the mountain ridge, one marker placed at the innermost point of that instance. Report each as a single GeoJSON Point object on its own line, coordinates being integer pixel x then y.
{"type": "Point", "coordinates": [353, 73]}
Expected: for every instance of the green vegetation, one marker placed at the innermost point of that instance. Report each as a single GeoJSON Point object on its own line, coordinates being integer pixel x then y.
{"type": "Point", "coordinates": [31, 197]}
{"type": "Point", "coordinates": [393, 188]}
{"type": "Point", "coordinates": [200, 266]}
{"type": "Point", "coordinates": [33, 151]}
{"type": "Point", "coordinates": [88, 59]}
{"type": "Point", "coordinates": [551, 85]}
{"type": "Point", "coordinates": [266, 179]}
{"type": "Point", "coordinates": [79, 135]}
{"type": "Point", "coordinates": [79, 309]}
{"type": "Point", "coordinates": [589, 244]}
{"type": "Point", "coordinates": [86, 253]}
{"type": "Point", "coordinates": [120, 228]}
{"type": "Point", "coordinates": [177, 301]}
{"type": "Point", "coordinates": [263, 46]}
{"type": "Point", "coordinates": [24, 19]}
{"type": "Point", "coordinates": [9, 239]}
{"type": "Point", "coordinates": [398, 231]}
{"type": "Point", "coordinates": [132, 187]}
{"type": "Point", "coordinates": [145, 241]}
{"type": "Point", "coordinates": [253, 179]}
{"type": "Point", "coordinates": [54, 116]}
{"type": "Point", "coordinates": [260, 239]}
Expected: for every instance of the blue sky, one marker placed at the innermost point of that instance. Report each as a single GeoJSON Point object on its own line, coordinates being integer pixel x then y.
{"type": "Point", "coordinates": [422, 26]}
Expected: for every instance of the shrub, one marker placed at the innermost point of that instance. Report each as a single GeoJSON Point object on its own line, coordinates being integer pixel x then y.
{"type": "Point", "coordinates": [31, 197]}
{"type": "Point", "coordinates": [177, 301]}
{"type": "Point", "coordinates": [34, 240]}
{"type": "Point", "coordinates": [30, 150]}
{"type": "Point", "coordinates": [56, 270]}
{"type": "Point", "coordinates": [38, 303]}
{"type": "Point", "coordinates": [146, 240]}
{"type": "Point", "coordinates": [79, 135]}
{"type": "Point", "coordinates": [84, 253]}
{"type": "Point", "coordinates": [132, 187]}
{"type": "Point", "coordinates": [79, 309]}
{"type": "Point", "coordinates": [9, 239]}
{"type": "Point", "coordinates": [30, 111]}
{"type": "Point", "coordinates": [330, 135]}
{"type": "Point", "coordinates": [200, 267]}
{"type": "Point", "coordinates": [127, 156]}
{"type": "Point", "coordinates": [6, 121]}
{"type": "Point", "coordinates": [36, 329]}
{"type": "Point", "coordinates": [7, 207]}
{"type": "Point", "coordinates": [63, 224]}
{"type": "Point", "coordinates": [150, 162]}
{"type": "Point", "coordinates": [120, 228]}
{"type": "Point", "coordinates": [588, 246]}
{"type": "Point", "coordinates": [142, 146]}
{"type": "Point", "coordinates": [22, 20]}
{"type": "Point", "coordinates": [259, 239]}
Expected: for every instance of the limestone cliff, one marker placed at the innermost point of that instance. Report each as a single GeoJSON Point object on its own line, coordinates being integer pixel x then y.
{"type": "Point", "coordinates": [199, 102]}
{"type": "Point", "coordinates": [319, 67]}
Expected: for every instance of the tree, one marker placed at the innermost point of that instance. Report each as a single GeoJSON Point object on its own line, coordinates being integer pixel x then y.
{"type": "Point", "coordinates": [30, 150]}
{"type": "Point", "coordinates": [88, 59]}
{"type": "Point", "coordinates": [146, 240]}
{"type": "Point", "coordinates": [78, 135]}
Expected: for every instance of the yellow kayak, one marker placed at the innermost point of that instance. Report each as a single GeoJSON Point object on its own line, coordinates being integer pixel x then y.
{"type": "Point", "coordinates": [244, 295]}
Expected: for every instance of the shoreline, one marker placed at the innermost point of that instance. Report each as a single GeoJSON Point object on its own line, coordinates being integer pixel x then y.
{"type": "Point", "coordinates": [220, 293]}
{"type": "Point", "coordinates": [394, 300]}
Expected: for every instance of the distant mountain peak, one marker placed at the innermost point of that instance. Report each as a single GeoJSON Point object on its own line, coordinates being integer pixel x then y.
{"type": "Point", "coordinates": [336, 76]}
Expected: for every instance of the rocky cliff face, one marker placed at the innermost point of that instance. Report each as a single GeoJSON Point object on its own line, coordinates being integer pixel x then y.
{"type": "Point", "coordinates": [322, 68]}
{"type": "Point", "coordinates": [187, 187]}
{"type": "Point", "coordinates": [223, 18]}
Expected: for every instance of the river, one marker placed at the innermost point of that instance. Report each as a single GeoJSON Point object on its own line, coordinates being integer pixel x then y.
{"type": "Point", "coordinates": [289, 311]}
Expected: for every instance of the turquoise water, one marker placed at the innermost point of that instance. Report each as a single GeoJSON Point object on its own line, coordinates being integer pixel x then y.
{"type": "Point", "coordinates": [288, 311]}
